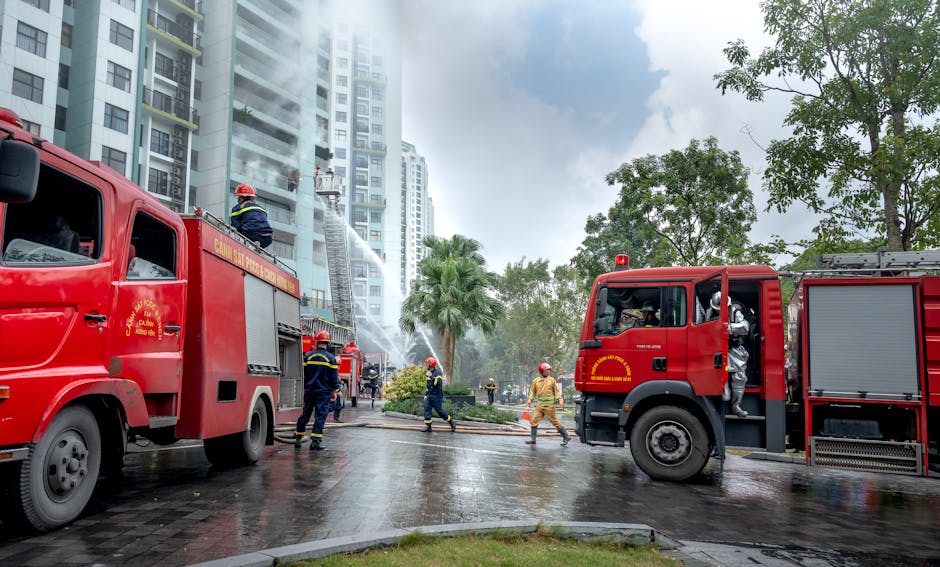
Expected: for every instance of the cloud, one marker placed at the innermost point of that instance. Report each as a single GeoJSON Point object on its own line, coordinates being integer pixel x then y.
{"type": "Point", "coordinates": [521, 108]}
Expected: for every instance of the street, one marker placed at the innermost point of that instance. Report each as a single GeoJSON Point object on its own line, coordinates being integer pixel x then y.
{"type": "Point", "coordinates": [171, 508]}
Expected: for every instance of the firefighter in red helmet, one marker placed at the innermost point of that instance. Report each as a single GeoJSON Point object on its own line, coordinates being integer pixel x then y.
{"type": "Point", "coordinates": [434, 397]}
{"type": "Point", "coordinates": [321, 385]}
{"type": "Point", "coordinates": [250, 218]}
{"type": "Point", "coordinates": [544, 391]}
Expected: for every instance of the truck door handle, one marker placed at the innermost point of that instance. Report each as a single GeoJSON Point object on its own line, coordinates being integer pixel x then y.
{"type": "Point", "coordinates": [659, 363]}
{"type": "Point", "coordinates": [172, 328]}
{"type": "Point", "coordinates": [718, 360]}
{"type": "Point", "coordinates": [96, 317]}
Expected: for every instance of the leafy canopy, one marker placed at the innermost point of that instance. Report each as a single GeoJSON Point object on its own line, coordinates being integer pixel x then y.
{"type": "Point", "coordinates": [864, 77]}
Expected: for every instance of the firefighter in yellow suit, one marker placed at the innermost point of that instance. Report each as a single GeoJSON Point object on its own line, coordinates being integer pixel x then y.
{"type": "Point", "coordinates": [544, 391]}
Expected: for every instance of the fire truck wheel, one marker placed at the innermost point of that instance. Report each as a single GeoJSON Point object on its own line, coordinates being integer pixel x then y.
{"type": "Point", "coordinates": [253, 439]}
{"type": "Point", "coordinates": [669, 443]}
{"type": "Point", "coordinates": [59, 475]}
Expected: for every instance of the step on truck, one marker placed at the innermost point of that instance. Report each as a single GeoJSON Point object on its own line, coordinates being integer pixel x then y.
{"type": "Point", "coordinates": [857, 386]}
{"type": "Point", "coordinates": [121, 319]}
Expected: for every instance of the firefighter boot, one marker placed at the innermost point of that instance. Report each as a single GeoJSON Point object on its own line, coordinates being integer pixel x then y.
{"type": "Point", "coordinates": [533, 432]}
{"type": "Point", "coordinates": [737, 396]}
{"type": "Point", "coordinates": [427, 427]}
{"type": "Point", "coordinates": [564, 436]}
{"type": "Point", "coordinates": [316, 444]}
{"type": "Point", "coordinates": [298, 439]}
{"type": "Point", "coordinates": [453, 424]}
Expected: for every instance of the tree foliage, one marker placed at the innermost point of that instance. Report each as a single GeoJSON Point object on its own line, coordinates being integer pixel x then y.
{"type": "Point", "coordinates": [695, 200]}
{"type": "Point", "coordinates": [544, 311]}
{"type": "Point", "coordinates": [451, 294]}
{"type": "Point", "coordinates": [865, 80]}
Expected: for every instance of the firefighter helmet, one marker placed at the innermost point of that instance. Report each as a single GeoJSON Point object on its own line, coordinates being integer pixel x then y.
{"type": "Point", "coordinates": [321, 337]}
{"type": "Point", "coordinates": [648, 306]}
{"type": "Point", "coordinates": [431, 361]}
{"type": "Point", "coordinates": [544, 367]}
{"type": "Point", "coordinates": [715, 302]}
{"type": "Point", "coordinates": [245, 190]}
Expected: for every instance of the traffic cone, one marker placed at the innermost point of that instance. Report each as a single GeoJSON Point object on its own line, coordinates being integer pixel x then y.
{"type": "Point", "coordinates": [526, 416]}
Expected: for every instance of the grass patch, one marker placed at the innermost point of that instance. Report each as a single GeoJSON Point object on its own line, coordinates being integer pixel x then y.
{"type": "Point", "coordinates": [502, 549]}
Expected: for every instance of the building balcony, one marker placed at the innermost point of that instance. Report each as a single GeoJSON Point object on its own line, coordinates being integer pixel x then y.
{"type": "Point", "coordinates": [174, 33]}
{"type": "Point", "coordinates": [191, 7]}
{"type": "Point", "coordinates": [164, 105]}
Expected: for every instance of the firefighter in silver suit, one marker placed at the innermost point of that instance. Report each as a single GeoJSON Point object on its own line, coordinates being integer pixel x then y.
{"type": "Point", "coordinates": [738, 329]}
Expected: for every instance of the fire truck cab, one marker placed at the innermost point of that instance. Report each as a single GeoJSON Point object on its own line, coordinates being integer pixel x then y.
{"type": "Point", "coordinates": [659, 386]}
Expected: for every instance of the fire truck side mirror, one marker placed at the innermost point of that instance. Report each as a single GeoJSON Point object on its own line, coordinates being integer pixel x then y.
{"type": "Point", "coordinates": [19, 172]}
{"type": "Point", "coordinates": [600, 310]}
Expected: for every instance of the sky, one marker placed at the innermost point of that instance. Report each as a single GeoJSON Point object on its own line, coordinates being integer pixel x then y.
{"type": "Point", "coordinates": [522, 106]}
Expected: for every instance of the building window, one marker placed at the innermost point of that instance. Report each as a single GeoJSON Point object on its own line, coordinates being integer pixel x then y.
{"type": "Point", "coordinates": [27, 85]}
{"type": "Point", "coordinates": [376, 112]}
{"type": "Point", "coordinates": [119, 77]}
{"type": "Point", "coordinates": [342, 62]}
{"type": "Point", "coordinates": [163, 66]}
{"type": "Point", "coordinates": [122, 36]}
{"type": "Point", "coordinates": [340, 153]}
{"type": "Point", "coordinates": [375, 235]}
{"type": "Point", "coordinates": [362, 161]}
{"type": "Point", "coordinates": [377, 129]}
{"type": "Point", "coordinates": [162, 101]}
{"type": "Point", "coordinates": [115, 118]}
{"type": "Point", "coordinates": [31, 39]}
{"type": "Point", "coordinates": [64, 71]}
{"type": "Point", "coordinates": [375, 291]}
{"type": "Point", "coordinates": [375, 309]}
{"type": "Point", "coordinates": [376, 181]}
{"type": "Point", "coordinates": [375, 216]}
{"type": "Point", "coordinates": [66, 35]}
{"type": "Point", "coordinates": [31, 127]}
{"type": "Point", "coordinates": [340, 172]}
{"type": "Point", "coordinates": [41, 4]}
{"type": "Point", "coordinates": [341, 117]}
{"type": "Point", "coordinates": [129, 4]}
{"type": "Point", "coordinates": [377, 163]}
{"type": "Point", "coordinates": [61, 114]}
{"type": "Point", "coordinates": [159, 142]}
{"type": "Point", "coordinates": [197, 89]}
{"type": "Point", "coordinates": [339, 135]}
{"type": "Point", "coordinates": [341, 98]}
{"type": "Point", "coordinates": [377, 199]}
{"type": "Point", "coordinates": [115, 159]}
{"type": "Point", "coordinates": [362, 109]}
{"type": "Point", "coordinates": [342, 80]}
{"type": "Point", "coordinates": [362, 91]}
{"type": "Point", "coordinates": [361, 180]}
{"type": "Point", "coordinates": [158, 182]}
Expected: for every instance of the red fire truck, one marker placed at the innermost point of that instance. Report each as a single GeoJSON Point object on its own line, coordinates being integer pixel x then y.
{"type": "Point", "coordinates": [859, 386]}
{"type": "Point", "coordinates": [122, 319]}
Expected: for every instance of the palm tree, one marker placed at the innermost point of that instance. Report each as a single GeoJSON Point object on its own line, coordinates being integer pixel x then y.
{"type": "Point", "coordinates": [451, 294]}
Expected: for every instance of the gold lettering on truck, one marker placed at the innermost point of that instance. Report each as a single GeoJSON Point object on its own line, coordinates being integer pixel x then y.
{"type": "Point", "coordinates": [611, 368]}
{"type": "Point", "coordinates": [145, 320]}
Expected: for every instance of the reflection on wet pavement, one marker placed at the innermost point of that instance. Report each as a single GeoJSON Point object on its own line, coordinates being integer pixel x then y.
{"type": "Point", "coordinates": [171, 508]}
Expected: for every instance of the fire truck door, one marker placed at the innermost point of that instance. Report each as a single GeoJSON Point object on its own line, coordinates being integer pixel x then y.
{"type": "Point", "coordinates": [707, 348]}
{"type": "Point", "coordinates": [148, 342]}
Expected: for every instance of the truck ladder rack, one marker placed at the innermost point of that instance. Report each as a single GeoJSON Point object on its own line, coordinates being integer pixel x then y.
{"type": "Point", "coordinates": [328, 188]}
{"type": "Point", "coordinates": [339, 335]}
{"type": "Point", "coordinates": [882, 261]}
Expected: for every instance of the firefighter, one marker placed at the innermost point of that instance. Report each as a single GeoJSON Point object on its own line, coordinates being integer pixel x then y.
{"type": "Point", "coordinates": [738, 329]}
{"type": "Point", "coordinates": [321, 385]}
{"type": "Point", "coordinates": [434, 397]}
{"type": "Point", "coordinates": [490, 390]}
{"type": "Point", "coordinates": [544, 390]}
{"type": "Point", "coordinates": [648, 315]}
{"type": "Point", "coordinates": [250, 218]}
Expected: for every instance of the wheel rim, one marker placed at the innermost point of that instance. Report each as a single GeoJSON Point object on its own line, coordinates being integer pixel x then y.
{"type": "Point", "coordinates": [66, 465]}
{"type": "Point", "coordinates": [256, 430]}
{"type": "Point", "coordinates": [669, 442]}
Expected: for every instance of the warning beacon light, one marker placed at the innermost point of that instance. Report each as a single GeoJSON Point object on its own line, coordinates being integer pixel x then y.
{"type": "Point", "coordinates": [621, 262]}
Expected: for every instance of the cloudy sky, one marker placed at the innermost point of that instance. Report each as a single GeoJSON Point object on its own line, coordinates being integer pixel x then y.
{"type": "Point", "coordinates": [522, 106]}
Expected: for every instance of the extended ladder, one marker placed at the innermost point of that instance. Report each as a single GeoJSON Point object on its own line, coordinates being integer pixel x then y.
{"type": "Point", "coordinates": [882, 261]}
{"type": "Point", "coordinates": [337, 259]}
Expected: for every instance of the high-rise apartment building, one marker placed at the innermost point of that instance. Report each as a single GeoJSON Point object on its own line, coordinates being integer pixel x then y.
{"type": "Point", "coordinates": [366, 135]}
{"type": "Point", "coordinates": [417, 216]}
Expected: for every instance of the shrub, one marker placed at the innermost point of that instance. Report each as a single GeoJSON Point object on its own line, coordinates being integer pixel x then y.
{"type": "Point", "coordinates": [408, 383]}
{"type": "Point", "coordinates": [456, 390]}
{"type": "Point", "coordinates": [487, 413]}
{"type": "Point", "coordinates": [407, 405]}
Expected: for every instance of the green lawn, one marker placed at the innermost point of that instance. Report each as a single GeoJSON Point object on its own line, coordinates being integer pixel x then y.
{"type": "Point", "coordinates": [500, 549]}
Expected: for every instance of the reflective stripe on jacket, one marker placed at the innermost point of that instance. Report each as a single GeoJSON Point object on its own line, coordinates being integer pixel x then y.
{"type": "Point", "coordinates": [544, 389]}
{"type": "Point", "coordinates": [321, 373]}
{"type": "Point", "coordinates": [435, 383]}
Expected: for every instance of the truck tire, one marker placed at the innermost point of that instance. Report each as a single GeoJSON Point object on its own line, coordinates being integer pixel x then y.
{"type": "Point", "coordinates": [669, 443]}
{"type": "Point", "coordinates": [58, 477]}
{"type": "Point", "coordinates": [244, 447]}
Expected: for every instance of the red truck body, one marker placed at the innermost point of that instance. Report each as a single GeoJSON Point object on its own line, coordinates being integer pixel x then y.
{"type": "Point", "coordinates": [859, 387]}
{"type": "Point", "coordinates": [120, 318]}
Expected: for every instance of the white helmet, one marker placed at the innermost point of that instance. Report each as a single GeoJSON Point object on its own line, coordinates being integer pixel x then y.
{"type": "Point", "coordinates": [715, 302]}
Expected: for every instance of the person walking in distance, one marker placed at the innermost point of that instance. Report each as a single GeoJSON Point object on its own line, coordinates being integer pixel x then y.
{"type": "Point", "coordinates": [250, 218]}
{"type": "Point", "coordinates": [490, 390]}
{"type": "Point", "coordinates": [434, 397]}
{"type": "Point", "coordinates": [544, 391]}
{"type": "Point", "coordinates": [337, 406]}
{"type": "Point", "coordinates": [321, 384]}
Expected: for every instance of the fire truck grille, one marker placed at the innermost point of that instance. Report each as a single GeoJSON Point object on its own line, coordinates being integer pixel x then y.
{"type": "Point", "coordinates": [865, 455]}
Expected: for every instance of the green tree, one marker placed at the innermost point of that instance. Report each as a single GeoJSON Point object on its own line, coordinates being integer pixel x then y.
{"type": "Point", "coordinates": [544, 311]}
{"type": "Point", "coordinates": [451, 294]}
{"type": "Point", "coordinates": [865, 80]}
{"type": "Point", "coordinates": [696, 200]}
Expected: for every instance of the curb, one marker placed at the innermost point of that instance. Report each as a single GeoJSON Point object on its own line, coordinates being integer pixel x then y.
{"type": "Point", "coordinates": [635, 534]}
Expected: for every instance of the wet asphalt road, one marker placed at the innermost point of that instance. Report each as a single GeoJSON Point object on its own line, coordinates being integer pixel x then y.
{"type": "Point", "coordinates": [171, 508]}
